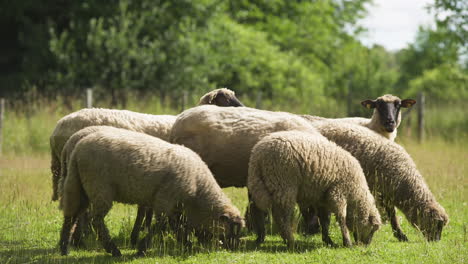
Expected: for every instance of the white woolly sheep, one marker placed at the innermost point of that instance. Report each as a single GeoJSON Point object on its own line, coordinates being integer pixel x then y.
{"type": "Point", "coordinates": [392, 177]}
{"type": "Point", "coordinates": [224, 137]}
{"type": "Point", "coordinates": [139, 169]}
{"type": "Point", "coordinates": [292, 167]}
{"type": "Point", "coordinates": [154, 125]}
{"type": "Point", "coordinates": [220, 97]}
{"type": "Point", "coordinates": [385, 119]}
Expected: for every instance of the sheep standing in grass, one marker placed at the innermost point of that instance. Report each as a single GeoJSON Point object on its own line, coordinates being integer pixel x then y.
{"type": "Point", "coordinates": [385, 119]}
{"type": "Point", "coordinates": [139, 169]}
{"type": "Point", "coordinates": [392, 177]}
{"type": "Point", "coordinates": [292, 167]}
{"type": "Point", "coordinates": [224, 137]}
{"type": "Point", "coordinates": [155, 125]}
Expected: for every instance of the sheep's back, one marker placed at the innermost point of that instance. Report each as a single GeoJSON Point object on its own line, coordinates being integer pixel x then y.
{"type": "Point", "coordinates": [154, 125]}
{"type": "Point", "coordinates": [224, 137]}
{"type": "Point", "coordinates": [132, 167]}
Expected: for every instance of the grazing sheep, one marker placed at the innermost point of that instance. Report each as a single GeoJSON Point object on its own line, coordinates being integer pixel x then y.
{"type": "Point", "coordinates": [385, 121]}
{"type": "Point", "coordinates": [220, 97]}
{"type": "Point", "coordinates": [386, 117]}
{"type": "Point", "coordinates": [224, 137]}
{"type": "Point", "coordinates": [292, 167]}
{"type": "Point", "coordinates": [392, 177]}
{"type": "Point", "coordinates": [139, 169]}
{"type": "Point", "coordinates": [154, 125]}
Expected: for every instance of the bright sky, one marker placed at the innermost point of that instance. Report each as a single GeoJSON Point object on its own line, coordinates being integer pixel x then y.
{"type": "Point", "coordinates": [394, 23]}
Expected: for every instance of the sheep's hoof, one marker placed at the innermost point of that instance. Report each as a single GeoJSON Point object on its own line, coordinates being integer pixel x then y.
{"type": "Point", "coordinates": [402, 237]}
{"type": "Point", "coordinates": [329, 242]}
{"type": "Point", "coordinates": [116, 253]}
{"type": "Point", "coordinates": [259, 240]}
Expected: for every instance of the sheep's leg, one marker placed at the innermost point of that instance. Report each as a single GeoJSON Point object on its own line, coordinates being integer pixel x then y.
{"type": "Point", "coordinates": [104, 236]}
{"type": "Point", "coordinates": [137, 226]}
{"type": "Point", "coordinates": [310, 218]}
{"type": "Point", "coordinates": [55, 169]}
{"type": "Point", "coordinates": [396, 228]}
{"type": "Point", "coordinates": [258, 218]}
{"type": "Point", "coordinates": [148, 217]}
{"type": "Point", "coordinates": [324, 216]}
{"type": "Point", "coordinates": [341, 217]}
{"type": "Point", "coordinates": [248, 214]}
{"type": "Point", "coordinates": [82, 229]}
{"type": "Point", "coordinates": [338, 205]}
{"type": "Point", "coordinates": [283, 216]}
{"type": "Point", "coordinates": [69, 222]}
{"type": "Point", "coordinates": [161, 206]}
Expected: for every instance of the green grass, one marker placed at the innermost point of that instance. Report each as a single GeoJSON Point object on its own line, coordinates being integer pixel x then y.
{"type": "Point", "coordinates": [30, 222]}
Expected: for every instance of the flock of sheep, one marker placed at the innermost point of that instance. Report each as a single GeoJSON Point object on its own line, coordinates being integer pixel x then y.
{"type": "Point", "coordinates": [173, 167]}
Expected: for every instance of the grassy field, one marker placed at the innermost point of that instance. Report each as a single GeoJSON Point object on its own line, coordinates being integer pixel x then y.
{"type": "Point", "coordinates": [30, 222]}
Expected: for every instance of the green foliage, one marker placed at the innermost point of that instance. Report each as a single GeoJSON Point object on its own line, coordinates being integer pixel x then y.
{"type": "Point", "coordinates": [244, 60]}
{"type": "Point", "coordinates": [452, 16]}
{"type": "Point", "coordinates": [447, 83]}
{"type": "Point", "coordinates": [431, 49]}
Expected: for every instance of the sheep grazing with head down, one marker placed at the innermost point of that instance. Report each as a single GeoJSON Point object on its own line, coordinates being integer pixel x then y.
{"type": "Point", "coordinates": [155, 125]}
{"type": "Point", "coordinates": [392, 177]}
{"type": "Point", "coordinates": [385, 119]}
{"type": "Point", "coordinates": [139, 169]}
{"type": "Point", "coordinates": [224, 137]}
{"type": "Point", "coordinates": [292, 167]}
{"type": "Point", "coordinates": [220, 97]}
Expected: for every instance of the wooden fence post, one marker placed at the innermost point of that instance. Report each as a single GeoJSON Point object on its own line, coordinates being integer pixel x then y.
{"type": "Point", "coordinates": [2, 117]}
{"type": "Point", "coordinates": [258, 103]}
{"type": "Point", "coordinates": [421, 116]}
{"type": "Point", "coordinates": [89, 98]}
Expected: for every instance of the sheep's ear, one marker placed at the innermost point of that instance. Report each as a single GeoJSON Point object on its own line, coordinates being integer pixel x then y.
{"type": "Point", "coordinates": [368, 103]}
{"type": "Point", "coordinates": [407, 103]}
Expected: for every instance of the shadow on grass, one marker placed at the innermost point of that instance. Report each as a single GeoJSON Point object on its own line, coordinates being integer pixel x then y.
{"type": "Point", "coordinates": [163, 247]}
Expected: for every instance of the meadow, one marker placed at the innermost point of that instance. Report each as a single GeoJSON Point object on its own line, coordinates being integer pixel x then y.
{"type": "Point", "coordinates": [30, 222]}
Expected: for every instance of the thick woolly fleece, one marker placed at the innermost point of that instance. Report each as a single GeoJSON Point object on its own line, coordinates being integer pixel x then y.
{"type": "Point", "coordinates": [225, 136]}
{"type": "Point", "coordinates": [70, 146]}
{"type": "Point", "coordinates": [297, 167]}
{"type": "Point", "coordinates": [391, 174]}
{"type": "Point", "coordinates": [139, 169]}
{"type": "Point", "coordinates": [154, 125]}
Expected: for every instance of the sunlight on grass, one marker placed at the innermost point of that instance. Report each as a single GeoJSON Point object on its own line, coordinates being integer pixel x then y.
{"type": "Point", "coordinates": [30, 222]}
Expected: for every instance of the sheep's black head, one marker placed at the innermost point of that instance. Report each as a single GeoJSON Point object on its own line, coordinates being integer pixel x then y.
{"type": "Point", "coordinates": [388, 110]}
{"type": "Point", "coordinates": [233, 225]}
{"type": "Point", "coordinates": [221, 97]}
{"type": "Point", "coordinates": [224, 230]}
{"type": "Point", "coordinates": [430, 219]}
